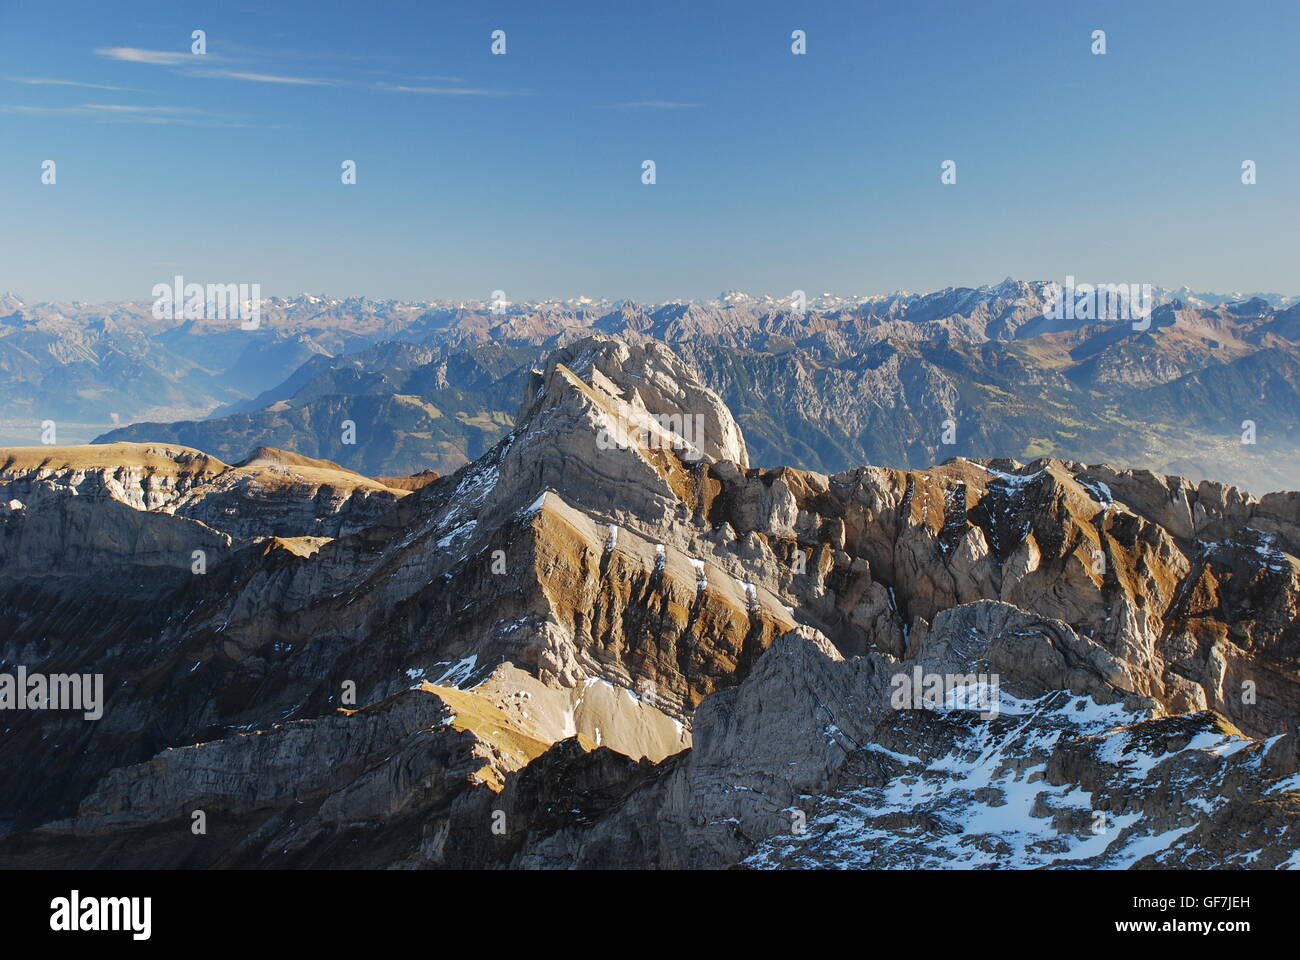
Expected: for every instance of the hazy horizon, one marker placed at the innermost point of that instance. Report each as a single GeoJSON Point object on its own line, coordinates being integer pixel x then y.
{"type": "Point", "coordinates": [722, 291]}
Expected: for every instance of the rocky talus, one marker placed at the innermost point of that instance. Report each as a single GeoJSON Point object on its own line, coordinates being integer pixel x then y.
{"type": "Point", "coordinates": [610, 642]}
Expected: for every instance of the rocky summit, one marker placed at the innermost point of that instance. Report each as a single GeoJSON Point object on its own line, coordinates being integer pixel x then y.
{"type": "Point", "coordinates": [611, 641]}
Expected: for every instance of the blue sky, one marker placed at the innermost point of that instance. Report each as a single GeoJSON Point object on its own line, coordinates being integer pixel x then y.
{"type": "Point", "coordinates": [523, 172]}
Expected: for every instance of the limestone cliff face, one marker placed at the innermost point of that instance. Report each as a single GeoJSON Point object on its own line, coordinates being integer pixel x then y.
{"type": "Point", "coordinates": [1195, 588]}
{"type": "Point", "coordinates": [612, 635]}
{"type": "Point", "coordinates": [273, 493]}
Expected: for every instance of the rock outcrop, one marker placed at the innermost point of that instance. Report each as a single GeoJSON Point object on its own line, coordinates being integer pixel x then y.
{"type": "Point", "coordinates": [609, 641]}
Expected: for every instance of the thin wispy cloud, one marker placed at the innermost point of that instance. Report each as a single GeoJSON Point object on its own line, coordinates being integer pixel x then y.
{"type": "Point", "coordinates": [653, 105]}
{"type": "Point", "coordinates": [46, 82]}
{"type": "Point", "coordinates": [245, 52]}
{"type": "Point", "coordinates": [132, 108]}
{"type": "Point", "coordinates": [446, 91]}
{"type": "Point", "coordinates": [188, 65]}
{"type": "Point", "coordinates": [128, 113]}
{"type": "Point", "coordinates": [164, 58]}
{"type": "Point", "coordinates": [265, 78]}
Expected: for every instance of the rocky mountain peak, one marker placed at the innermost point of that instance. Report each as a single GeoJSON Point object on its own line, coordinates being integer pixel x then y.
{"type": "Point", "coordinates": [646, 381]}
{"type": "Point", "coordinates": [647, 653]}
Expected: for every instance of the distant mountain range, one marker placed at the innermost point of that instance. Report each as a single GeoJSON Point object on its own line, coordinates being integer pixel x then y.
{"type": "Point", "coordinates": [882, 379]}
